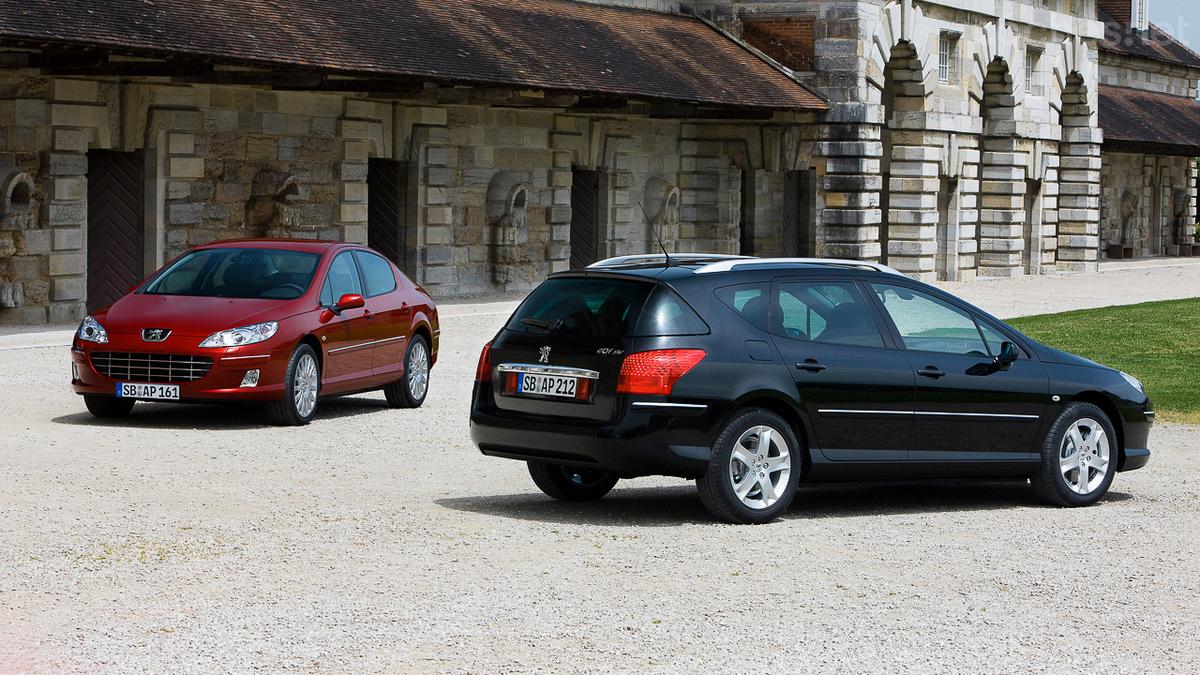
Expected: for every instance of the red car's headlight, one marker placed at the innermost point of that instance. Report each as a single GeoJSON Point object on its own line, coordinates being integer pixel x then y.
{"type": "Point", "coordinates": [246, 335]}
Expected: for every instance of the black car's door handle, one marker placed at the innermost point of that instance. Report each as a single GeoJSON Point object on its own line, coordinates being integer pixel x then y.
{"type": "Point", "coordinates": [932, 372]}
{"type": "Point", "coordinates": [811, 366]}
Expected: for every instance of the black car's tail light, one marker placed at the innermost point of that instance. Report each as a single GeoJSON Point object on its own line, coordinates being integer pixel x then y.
{"type": "Point", "coordinates": [656, 372]}
{"type": "Point", "coordinates": [483, 372]}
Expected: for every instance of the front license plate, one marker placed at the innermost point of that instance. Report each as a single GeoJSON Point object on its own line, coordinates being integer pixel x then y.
{"type": "Point", "coordinates": [546, 385]}
{"type": "Point", "coordinates": [157, 392]}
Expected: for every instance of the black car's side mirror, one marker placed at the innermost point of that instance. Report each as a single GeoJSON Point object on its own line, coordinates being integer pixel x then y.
{"type": "Point", "coordinates": [1008, 356]}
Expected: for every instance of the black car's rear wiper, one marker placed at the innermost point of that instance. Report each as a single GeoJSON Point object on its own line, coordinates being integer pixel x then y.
{"type": "Point", "coordinates": [548, 326]}
{"type": "Point", "coordinates": [537, 323]}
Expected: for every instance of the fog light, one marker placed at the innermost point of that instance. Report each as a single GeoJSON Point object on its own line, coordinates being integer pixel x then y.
{"type": "Point", "coordinates": [74, 371]}
{"type": "Point", "coordinates": [251, 379]}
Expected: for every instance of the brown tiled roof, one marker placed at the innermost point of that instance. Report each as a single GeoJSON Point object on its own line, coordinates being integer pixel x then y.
{"type": "Point", "coordinates": [1155, 43]}
{"type": "Point", "coordinates": [1145, 121]}
{"type": "Point", "coordinates": [557, 45]}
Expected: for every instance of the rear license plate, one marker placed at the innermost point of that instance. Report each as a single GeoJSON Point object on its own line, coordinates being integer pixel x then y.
{"type": "Point", "coordinates": [158, 392]}
{"type": "Point", "coordinates": [546, 385]}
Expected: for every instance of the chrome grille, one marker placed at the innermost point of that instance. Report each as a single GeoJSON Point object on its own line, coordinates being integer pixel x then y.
{"type": "Point", "coordinates": [131, 367]}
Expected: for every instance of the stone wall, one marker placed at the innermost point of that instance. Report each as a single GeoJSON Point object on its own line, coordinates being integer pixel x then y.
{"type": "Point", "coordinates": [1123, 71]}
{"type": "Point", "coordinates": [46, 127]}
{"type": "Point", "coordinates": [489, 188]}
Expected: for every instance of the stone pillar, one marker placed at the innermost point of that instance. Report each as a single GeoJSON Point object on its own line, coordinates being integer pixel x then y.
{"type": "Point", "coordinates": [360, 133]}
{"type": "Point", "coordinates": [1049, 234]}
{"type": "Point", "coordinates": [77, 122]}
{"type": "Point", "coordinates": [710, 194]}
{"type": "Point", "coordinates": [851, 148]}
{"type": "Point", "coordinates": [566, 142]}
{"type": "Point", "coordinates": [1192, 190]}
{"type": "Point", "coordinates": [968, 215]}
{"type": "Point", "coordinates": [435, 213]}
{"type": "Point", "coordinates": [1079, 200]}
{"type": "Point", "coordinates": [1002, 207]}
{"type": "Point", "coordinates": [913, 205]}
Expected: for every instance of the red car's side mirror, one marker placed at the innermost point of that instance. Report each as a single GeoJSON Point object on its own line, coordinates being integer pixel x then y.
{"type": "Point", "coordinates": [350, 301]}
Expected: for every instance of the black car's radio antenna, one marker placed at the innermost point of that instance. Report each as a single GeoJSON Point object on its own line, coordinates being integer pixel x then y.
{"type": "Point", "coordinates": [657, 237]}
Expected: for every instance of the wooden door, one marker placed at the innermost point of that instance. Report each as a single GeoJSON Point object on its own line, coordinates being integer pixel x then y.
{"type": "Point", "coordinates": [115, 230]}
{"type": "Point", "coordinates": [747, 244]}
{"type": "Point", "coordinates": [585, 211]}
{"type": "Point", "coordinates": [798, 239]}
{"type": "Point", "coordinates": [387, 191]}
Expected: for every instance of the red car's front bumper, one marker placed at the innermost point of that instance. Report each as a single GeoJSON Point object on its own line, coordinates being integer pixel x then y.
{"type": "Point", "coordinates": [221, 382]}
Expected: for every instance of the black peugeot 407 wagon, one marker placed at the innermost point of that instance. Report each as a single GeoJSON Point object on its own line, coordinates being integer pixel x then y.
{"type": "Point", "coordinates": [751, 375]}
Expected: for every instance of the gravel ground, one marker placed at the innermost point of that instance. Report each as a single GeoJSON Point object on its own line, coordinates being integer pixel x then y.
{"type": "Point", "coordinates": [193, 538]}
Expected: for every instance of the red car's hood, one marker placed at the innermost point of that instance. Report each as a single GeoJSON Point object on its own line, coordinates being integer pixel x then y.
{"type": "Point", "coordinates": [189, 315]}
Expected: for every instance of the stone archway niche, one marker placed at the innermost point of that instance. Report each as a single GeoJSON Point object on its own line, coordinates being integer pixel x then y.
{"type": "Point", "coordinates": [273, 207]}
{"type": "Point", "coordinates": [661, 203]}
{"type": "Point", "coordinates": [508, 197]}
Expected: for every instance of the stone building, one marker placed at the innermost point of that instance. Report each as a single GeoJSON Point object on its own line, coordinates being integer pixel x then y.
{"type": "Point", "coordinates": [962, 139]}
{"type": "Point", "coordinates": [485, 143]}
{"type": "Point", "coordinates": [1151, 127]}
{"type": "Point", "coordinates": [481, 144]}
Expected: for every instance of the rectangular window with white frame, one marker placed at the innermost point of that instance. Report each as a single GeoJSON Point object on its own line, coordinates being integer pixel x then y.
{"type": "Point", "coordinates": [1033, 72]}
{"type": "Point", "coordinates": [948, 58]}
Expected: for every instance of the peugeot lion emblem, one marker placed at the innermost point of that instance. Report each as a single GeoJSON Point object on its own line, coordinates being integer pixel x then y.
{"type": "Point", "coordinates": [544, 354]}
{"type": "Point", "coordinates": [154, 334]}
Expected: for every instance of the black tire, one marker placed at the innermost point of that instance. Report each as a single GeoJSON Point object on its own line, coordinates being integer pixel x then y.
{"type": "Point", "coordinates": [400, 394]}
{"type": "Point", "coordinates": [716, 486]}
{"type": "Point", "coordinates": [108, 407]}
{"type": "Point", "coordinates": [286, 411]}
{"type": "Point", "coordinates": [571, 484]}
{"type": "Point", "coordinates": [1056, 487]}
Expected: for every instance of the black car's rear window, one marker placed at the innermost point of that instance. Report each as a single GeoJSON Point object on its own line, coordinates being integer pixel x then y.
{"type": "Point", "coordinates": [604, 307]}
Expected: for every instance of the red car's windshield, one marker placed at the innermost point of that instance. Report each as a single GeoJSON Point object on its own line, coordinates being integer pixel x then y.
{"type": "Point", "coordinates": [267, 274]}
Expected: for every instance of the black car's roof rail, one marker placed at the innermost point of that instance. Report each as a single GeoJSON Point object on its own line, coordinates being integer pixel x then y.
{"type": "Point", "coordinates": [661, 259]}
{"type": "Point", "coordinates": [729, 265]}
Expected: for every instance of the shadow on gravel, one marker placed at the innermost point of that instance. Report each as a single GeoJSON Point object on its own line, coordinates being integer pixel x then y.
{"type": "Point", "coordinates": [640, 507]}
{"type": "Point", "coordinates": [660, 507]}
{"type": "Point", "coordinates": [216, 417]}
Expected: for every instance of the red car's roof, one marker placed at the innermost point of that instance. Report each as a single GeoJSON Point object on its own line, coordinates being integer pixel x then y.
{"type": "Point", "coordinates": [306, 245]}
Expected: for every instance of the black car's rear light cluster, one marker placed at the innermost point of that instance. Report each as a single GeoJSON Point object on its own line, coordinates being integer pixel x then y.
{"type": "Point", "coordinates": [131, 367]}
{"type": "Point", "coordinates": [483, 371]}
{"type": "Point", "coordinates": [656, 372]}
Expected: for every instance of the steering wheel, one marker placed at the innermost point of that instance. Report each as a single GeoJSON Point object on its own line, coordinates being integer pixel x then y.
{"type": "Point", "coordinates": [298, 288]}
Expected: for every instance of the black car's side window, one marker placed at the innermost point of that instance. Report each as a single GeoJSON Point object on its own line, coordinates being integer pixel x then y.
{"type": "Point", "coordinates": [342, 278]}
{"type": "Point", "coordinates": [750, 301]}
{"type": "Point", "coordinates": [931, 325]}
{"type": "Point", "coordinates": [377, 273]}
{"type": "Point", "coordinates": [991, 338]}
{"type": "Point", "coordinates": [825, 311]}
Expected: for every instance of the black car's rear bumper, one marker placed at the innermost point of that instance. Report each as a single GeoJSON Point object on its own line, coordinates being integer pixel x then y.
{"type": "Point", "coordinates": [646, 440]}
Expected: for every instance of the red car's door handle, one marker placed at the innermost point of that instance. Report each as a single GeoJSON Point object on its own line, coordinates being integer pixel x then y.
{"type": "Point", "coordinates": [367, 314]}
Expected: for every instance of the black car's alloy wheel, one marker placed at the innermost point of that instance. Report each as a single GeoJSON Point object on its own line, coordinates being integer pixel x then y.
{"type": "Point", "coordinates": [108, 407]}
{"type": "Point", "coordinates": [754, 469]}
{"type": "Point", "coordinates": [571, 484]}
{"type": "Point", "coordinates": [1079, 457]}
{"type": "Point", "coordinates": [301, 389]}
{"type": "Point", "coordinates": [410, 391]}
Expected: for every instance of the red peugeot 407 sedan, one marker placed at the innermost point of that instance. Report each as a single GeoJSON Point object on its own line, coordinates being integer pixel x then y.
{"type": "Point", "coordinates": [283, 322]}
